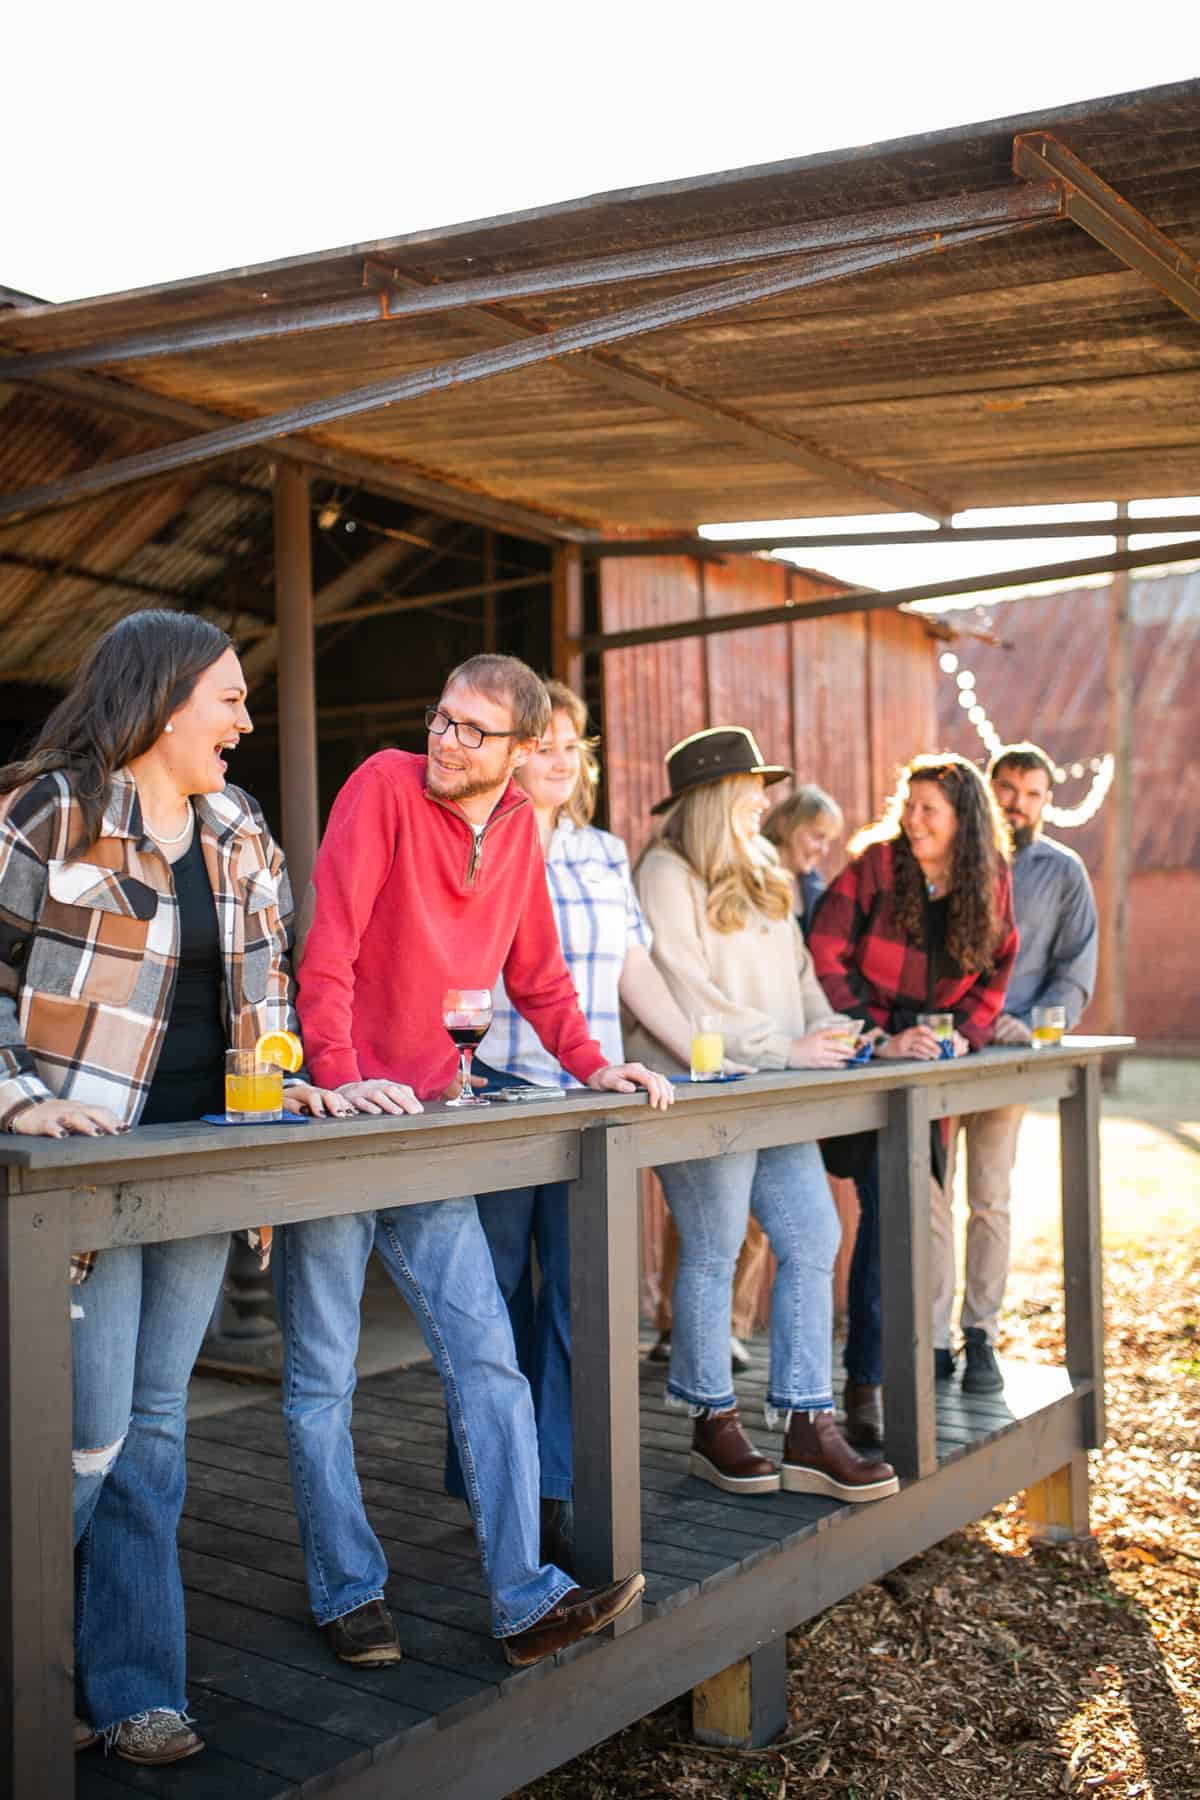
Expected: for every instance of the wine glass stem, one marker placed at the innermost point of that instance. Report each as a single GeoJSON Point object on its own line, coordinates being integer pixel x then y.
{"type": "Point", "coordinates": [465, 1053]}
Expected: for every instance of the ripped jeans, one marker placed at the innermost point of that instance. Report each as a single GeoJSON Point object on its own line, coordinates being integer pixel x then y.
{"type": "Point", "coordinates": [137, 1325]}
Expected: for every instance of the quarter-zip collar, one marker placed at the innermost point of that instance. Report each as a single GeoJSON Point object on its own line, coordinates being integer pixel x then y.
{"type": "Point", "coordinates": [511, 801]}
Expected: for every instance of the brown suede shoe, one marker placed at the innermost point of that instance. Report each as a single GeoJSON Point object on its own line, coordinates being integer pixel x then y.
{"type": "Point", "coordinates": [723, 1455]}
{"type": "Point", "coordinates": [863, 1406]}
{"type": "Point", "coordinates": [365, 1637]}
{"type": "Point", "coordinates": [579, 1614]}
{"type": "Point", "coordinates": [818, 1460]}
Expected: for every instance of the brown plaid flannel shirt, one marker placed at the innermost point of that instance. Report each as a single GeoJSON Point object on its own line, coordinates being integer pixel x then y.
{"type": "Point", "coordinates": [89, 944]}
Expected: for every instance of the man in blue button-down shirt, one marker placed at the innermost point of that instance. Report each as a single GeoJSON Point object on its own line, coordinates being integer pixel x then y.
{"type": "Point", "coordinates": [1055, 966]}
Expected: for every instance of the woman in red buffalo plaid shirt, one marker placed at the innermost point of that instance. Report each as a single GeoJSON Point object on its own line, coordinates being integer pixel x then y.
{"type": "Point", "coordinates": [920, 920]}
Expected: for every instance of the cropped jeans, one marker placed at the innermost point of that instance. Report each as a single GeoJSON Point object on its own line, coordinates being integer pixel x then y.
{"type": "Point", "coordinates": [137, 1326]}
{"type": "Point", "coordinates": [439, 1259]}
{"type": "Point", "coordinates": [710, 1200]}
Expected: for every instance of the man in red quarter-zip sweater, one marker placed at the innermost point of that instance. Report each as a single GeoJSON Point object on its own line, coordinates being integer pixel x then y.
{"type": "Point", "coordinates": [430, 876]}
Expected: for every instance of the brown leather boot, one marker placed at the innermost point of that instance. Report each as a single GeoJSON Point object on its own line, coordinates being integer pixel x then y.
{"type": "Point", "coordinates": [818, 1460]}
{"type": "Point", "coordinates": [863, 1406]}
{"type": "Point", "coordinates": [724, 1455]}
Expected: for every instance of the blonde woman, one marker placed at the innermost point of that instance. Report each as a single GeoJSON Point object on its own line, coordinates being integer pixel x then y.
{"type": "Point", "coordinates": [606, 944]}
{"type": "Point", "coordinates": [803, 829]}
{"type": "Point", "coordinates": [725, 939]}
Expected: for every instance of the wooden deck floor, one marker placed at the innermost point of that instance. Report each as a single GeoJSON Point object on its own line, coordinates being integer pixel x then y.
{"type": "Point", "coordinates": [283, 1719]}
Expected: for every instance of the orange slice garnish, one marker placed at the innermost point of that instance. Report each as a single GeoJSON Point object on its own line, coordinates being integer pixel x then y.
{"type": "Point", "coordinates": [283, 1048]}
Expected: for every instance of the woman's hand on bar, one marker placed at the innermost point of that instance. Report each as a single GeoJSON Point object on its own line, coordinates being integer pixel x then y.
{"type": "Point", "coordinates": [65, 1118]}
{"type": "Point", "coordinates": [321, 1102]}
{"type": "Point", "coordinates": [917, 1042]}
{"type": "Point", "coordinates": [825, 1049]}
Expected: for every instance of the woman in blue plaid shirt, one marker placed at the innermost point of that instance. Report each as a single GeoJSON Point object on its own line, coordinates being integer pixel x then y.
{"type": "Point", "coordinates": [606, 942]}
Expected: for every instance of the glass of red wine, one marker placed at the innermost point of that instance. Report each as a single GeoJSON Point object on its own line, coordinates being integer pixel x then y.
{"type": "Point", "coordinates": [467, 1014]}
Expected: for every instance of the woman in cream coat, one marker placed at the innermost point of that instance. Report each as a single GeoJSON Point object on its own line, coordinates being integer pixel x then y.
{"type": "Point", "coordinates": [720, 908]}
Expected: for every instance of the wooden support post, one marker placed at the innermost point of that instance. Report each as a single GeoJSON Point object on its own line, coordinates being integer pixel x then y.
{"type": "Point", "coordinates": [604, 1361]}
{"type": "Point", "coordinates": [36, 1572]}
{"type": "Point", "coordinates": [489, 598]}
{"type": "Point", "coordinates": [1079, 1124]}
{"type": "Point", "coordinates": [297, 680]}
{"type": "Point", "coordinates": [1056, 1509]}
{"type": "Point", "coordinates": [1118, 814]}
{"type": "Point", "coordinates": [910, 1411]}
{"type": "Point", "coordinates": [566, 616]}
{"type": "Point", "coordinates": [746, 1704]}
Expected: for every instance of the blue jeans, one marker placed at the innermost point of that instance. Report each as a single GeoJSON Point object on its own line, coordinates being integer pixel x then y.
{"type": "Point", "coordinates": [438, 1257]}
{"type": "Point", "coordinates": [788, 1193]}
{"type": "Point", "coordinates": [512, 1222]}
{"type": "Point", "coordinates": [864, 1327]}
{"type": "Point", "coordinates": [137, 1326]}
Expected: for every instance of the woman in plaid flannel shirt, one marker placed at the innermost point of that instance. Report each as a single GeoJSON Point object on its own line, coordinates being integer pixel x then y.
{"type": "Point", "coordinates": [144, 926]}
{"type": "Point", "coordinates": [919, 920]}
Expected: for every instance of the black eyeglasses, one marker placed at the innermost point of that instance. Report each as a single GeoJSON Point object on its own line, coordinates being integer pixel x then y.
{"type": "Point", "coordinates": [469, 736]}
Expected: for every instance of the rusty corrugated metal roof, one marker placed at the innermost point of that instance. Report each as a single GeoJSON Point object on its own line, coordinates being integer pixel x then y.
{"type": "Point", "coordinates": [1035, 367]}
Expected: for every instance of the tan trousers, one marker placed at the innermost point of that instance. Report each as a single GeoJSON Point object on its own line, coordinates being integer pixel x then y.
{"type": "Point", "coordinates": [747, 1277]}
{"type": "Point", "coordinates": [991, 1151]}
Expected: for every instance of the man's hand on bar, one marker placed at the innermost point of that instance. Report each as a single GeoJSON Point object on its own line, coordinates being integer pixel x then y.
{"type": "Point", "coordinates": [380, 1097]}
{"type": "Point", "coordinates": [626, 1078]}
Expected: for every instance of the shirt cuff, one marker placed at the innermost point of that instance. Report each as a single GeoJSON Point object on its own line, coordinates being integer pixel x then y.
{"type": "Point", "coordinates": [585, 1062]}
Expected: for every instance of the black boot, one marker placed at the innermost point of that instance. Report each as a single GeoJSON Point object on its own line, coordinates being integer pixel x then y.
{"type": "Point", "coordinates": [982, 1374]}
{"type": "Point", "coordinates": [558, 1534]}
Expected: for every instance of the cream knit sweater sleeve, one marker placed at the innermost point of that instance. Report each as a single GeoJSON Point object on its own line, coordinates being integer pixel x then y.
{"type": "Point", "coordinates": [673, 899]}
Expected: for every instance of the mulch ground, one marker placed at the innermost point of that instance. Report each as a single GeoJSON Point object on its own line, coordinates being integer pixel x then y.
{"type": "Point", "coordinates": [989, 1668]}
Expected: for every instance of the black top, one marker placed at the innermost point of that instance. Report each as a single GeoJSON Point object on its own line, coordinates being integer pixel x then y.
{"type": "Point", "coordinates": [190, 1078]}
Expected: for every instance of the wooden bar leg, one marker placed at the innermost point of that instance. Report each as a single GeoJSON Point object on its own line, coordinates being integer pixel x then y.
{"type": "Point", "coordinates": [1056, 1509]}
{"type": "Point", "coordinates": [604, 1362]}
{"type": "Point", "coordinates": [1079, 1124]}
{"type": "Point", "coordinates": [746, 1704]}
{"type": "Point", "coordinates": [909, 1406]}
{"type": "Point", "coordinates": [36, 1563]}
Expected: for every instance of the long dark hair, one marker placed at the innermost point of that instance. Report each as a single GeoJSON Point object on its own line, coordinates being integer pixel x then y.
{"type": "Point", "coordinates": [981, 850]}
{"type": "Point", "coordinates": [130, 682]}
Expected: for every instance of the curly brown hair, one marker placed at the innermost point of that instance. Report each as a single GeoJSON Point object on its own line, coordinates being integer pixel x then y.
{"type": "Point", "coordinates": [981, 848]}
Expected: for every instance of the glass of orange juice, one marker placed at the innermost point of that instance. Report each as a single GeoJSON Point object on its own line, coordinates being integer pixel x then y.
{"type": "Point", "coordinates": [1049, 1023]}
{"type": "Point", "coordinates": [253, 1089]}
{"type": "Point", "coordinates": [708, 1048]}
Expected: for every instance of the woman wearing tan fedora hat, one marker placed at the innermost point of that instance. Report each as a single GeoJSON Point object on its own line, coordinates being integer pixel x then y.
{"type": "Point", "coordinates": [720, 907]}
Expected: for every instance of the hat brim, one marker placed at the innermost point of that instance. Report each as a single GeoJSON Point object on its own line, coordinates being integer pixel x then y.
{"type": "Point", "coordinates": [770, 772]}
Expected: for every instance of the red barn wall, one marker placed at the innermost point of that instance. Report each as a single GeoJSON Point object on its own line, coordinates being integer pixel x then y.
{"type": "Point", "coordinates": [1049, 685]}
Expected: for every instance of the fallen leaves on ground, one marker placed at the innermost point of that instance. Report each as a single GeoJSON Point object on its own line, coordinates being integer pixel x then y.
{"type": "Point", "coordinates": [991, 1668]}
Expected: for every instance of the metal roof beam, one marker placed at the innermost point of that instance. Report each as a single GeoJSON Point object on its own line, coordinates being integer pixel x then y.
{"type": "Point", "coordinates": [569, 340]}
{"type": "Point", "coordinates": [396, 299]}
{"type": "Point", "coordinates": [714, 547]}
{"type": "Point", "coordinates": [1039, 156]}
{"type": "Point", "coordinates": [412, 487]}
{"type": "Point", "coordinates": [872, 600]}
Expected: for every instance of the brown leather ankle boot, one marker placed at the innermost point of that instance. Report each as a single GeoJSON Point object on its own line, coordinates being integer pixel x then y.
{"type": "Point", "coordinates": [863, 1405]}
{"type": "Point", "coordinates": [724, 1455]}
{"type": "Point", "coordinates": [818, 1460]}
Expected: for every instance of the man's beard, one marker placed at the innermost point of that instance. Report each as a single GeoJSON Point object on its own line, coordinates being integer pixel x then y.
{"type": "Point", "coordinates": [1022, 836]}
{"type": "Point", "coordinates": [466, 787]}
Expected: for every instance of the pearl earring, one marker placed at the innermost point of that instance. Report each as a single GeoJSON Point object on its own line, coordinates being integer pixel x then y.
{"type": "Point", "coordinates": [168, 726]}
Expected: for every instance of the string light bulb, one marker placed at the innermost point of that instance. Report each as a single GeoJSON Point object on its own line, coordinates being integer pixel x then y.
{"type": "Point", "coordinates": [1102, 768]}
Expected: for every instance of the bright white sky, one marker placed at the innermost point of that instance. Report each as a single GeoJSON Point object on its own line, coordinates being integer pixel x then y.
{"type": "Point", "coordinates": [149, 142]}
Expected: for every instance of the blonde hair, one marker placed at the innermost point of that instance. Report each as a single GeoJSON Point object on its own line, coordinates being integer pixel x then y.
{"type": "Point", "coordinates": [580, 808]}
{"type": "Point", "coordinates": [739, 882]}
{"type": "Point", "coordinates": [807, 804]}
